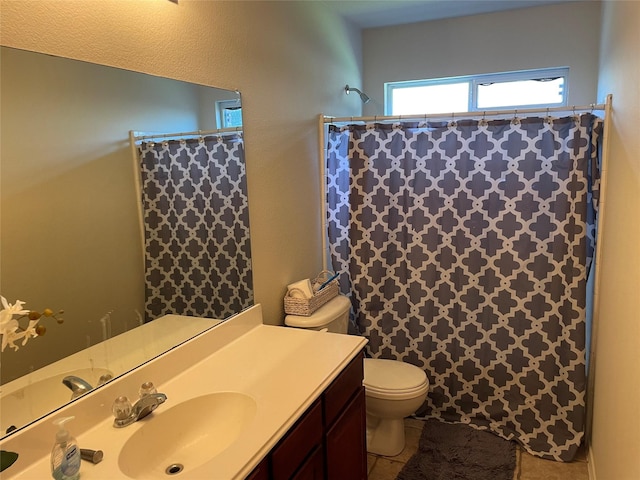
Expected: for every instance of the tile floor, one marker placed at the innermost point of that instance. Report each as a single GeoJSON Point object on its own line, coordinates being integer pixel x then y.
{"type": "Point", "coordinates": [528, 467]}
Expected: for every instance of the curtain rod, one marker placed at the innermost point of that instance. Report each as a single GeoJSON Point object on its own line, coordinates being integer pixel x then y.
{"type": "Point", "coordinates": [138, 136]}
{"type": "Point", "coordinates": [479, 113]}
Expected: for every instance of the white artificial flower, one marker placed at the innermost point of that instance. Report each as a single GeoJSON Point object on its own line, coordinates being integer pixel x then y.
{"type": "Point", "coordinates": [10, 334]}
{"type": "Point", "coordinates": [8, 325]}
{"type": "Point", "coordinates": [8, 310]}
{"type": "Point", "coordinates": [30, 332]}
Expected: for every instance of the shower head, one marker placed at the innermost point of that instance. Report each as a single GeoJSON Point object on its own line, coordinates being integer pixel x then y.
{"type": "Point", "coordinates": [363, 96]}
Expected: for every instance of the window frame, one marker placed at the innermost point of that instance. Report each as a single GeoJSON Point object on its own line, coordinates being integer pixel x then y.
{"type": "Point", "coordinates": [221, 107]}
{"type": "Point", "coordinates": [477, 80]}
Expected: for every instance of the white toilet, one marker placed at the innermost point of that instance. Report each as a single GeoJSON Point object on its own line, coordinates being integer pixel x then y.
{"type": "Point", "coordinates": [393, 389]}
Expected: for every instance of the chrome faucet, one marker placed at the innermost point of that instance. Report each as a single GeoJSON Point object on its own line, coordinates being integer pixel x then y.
{"type": "Point", "coordinates": [77, 385]}
{"type": "Point", "coordinates": [125, 414]}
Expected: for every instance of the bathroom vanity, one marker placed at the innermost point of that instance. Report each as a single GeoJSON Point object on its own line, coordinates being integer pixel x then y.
{"type": "Point", "coordinates": [329, 441]}
{"type": "Point", "coordinates": [244, 400]}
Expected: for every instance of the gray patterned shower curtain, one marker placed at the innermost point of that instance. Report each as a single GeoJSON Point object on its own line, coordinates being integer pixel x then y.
{"type": "Point", "coordinates": [465, 248]}
{"type": "Point", "coordinates": [196, 227]}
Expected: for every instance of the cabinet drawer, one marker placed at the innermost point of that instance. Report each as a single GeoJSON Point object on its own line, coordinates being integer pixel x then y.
{"type": "Point", "coordinates": [343, 388]}
{"type": "Point", "coordinates": [303, 437]}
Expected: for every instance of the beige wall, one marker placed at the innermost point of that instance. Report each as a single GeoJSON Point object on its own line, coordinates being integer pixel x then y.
{"type": "Point", "coordinates": [615, 440]}
{"type": "Point", "coordinates": [290, 60]}
{"type": "Point", "coordinates": [521, 39]}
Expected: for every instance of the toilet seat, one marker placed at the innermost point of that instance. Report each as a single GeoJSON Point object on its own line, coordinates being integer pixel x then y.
{"type": "Point", "coordinates": [393, 380]}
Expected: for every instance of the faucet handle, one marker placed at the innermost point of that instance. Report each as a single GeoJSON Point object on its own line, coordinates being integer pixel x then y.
{"type": "Point", "coordinates": [104, 378]}
{"type": "Point", "coordinates": [147, 388]}
{"type": "Point", "coordinates": [121, 408]}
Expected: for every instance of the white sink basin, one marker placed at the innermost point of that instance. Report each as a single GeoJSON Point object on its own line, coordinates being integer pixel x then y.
{"type": "Point", "coordinates": [185, 436]}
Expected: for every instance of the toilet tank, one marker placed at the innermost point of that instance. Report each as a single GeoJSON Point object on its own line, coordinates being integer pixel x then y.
{"type": "Point", "coordinates": [332, 316]}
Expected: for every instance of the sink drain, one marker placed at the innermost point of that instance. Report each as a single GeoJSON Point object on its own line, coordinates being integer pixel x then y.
{"type": "Point", "coordinates": [174, 469]}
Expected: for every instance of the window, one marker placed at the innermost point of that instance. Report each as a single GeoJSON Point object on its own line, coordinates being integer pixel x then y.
{"type": "Point", "coordinates": [524, 89]}
{"type": "Point", "coordinates": [229, 113]}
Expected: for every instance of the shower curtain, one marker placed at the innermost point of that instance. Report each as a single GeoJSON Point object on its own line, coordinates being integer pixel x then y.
{"type": "Point", "coordinates": [196, 227]}
{"type": "Point", "coordinates": [465, 248]}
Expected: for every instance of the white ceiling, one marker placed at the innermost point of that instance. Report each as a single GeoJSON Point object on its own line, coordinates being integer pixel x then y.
{"type": "Point", "coordinates": [381, 13]}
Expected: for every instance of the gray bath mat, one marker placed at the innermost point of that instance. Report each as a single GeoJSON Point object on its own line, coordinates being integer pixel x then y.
{"type": "Point", "coordinates": [458, 452]}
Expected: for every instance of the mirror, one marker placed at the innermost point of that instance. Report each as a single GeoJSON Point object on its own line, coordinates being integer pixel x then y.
{"type": "Point", "coordinates": [72, 236]}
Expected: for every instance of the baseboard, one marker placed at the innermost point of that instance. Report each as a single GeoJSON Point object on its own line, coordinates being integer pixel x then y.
{"type": "Point", "coordinates": [591, 466]}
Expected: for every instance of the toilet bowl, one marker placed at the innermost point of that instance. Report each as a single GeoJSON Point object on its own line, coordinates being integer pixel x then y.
{"type": "Point", "coordinates": [393, 389]}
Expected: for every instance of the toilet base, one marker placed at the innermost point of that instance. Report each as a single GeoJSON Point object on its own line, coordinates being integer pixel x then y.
{"type": "Point", "coordinates": [385, 436]}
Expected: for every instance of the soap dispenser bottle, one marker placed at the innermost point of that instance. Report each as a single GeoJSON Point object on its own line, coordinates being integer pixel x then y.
{"type": "Point", "coordinates": [65, 455]}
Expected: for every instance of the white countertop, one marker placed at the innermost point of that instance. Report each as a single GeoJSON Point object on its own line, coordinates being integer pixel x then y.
{"type": "Point", "coordinates": [283, 369]}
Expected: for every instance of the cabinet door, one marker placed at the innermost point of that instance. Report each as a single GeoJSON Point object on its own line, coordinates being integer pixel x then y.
{"type": "Point", "coordinates": [261, 472]}
{"type": "Point", "coordinates": [346, 448]}
{"type": "Point", "coordinates": [295, 447]}
{"type": "Point", "coordinates": [313, 467]}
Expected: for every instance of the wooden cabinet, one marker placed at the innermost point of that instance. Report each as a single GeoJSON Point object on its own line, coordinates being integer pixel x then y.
{"type": "Point", "coordinates": [345, 424]}
{"type": "Point", "coordinates": [297, 445]}
{"type": "Point", "coordinates": [313, 467]}
{"type": "Point", "coordinates": [346, 442]}
{"type": "Point", "coordinates": [329, 440]}
{"type": "Point", "coordinates": [261, 472]}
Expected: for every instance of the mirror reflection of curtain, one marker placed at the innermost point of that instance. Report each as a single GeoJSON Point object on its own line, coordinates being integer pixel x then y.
{"type": "Point", "coordinates": [196, 227]}
{"type": "Point", "coordinates": [465, 249]}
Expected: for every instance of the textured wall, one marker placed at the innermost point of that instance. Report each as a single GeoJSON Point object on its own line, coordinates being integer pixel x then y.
{"type": "Point", "coordinates": [290, 60]}
{"type": "Point", "coordinates": [521, 39]}
{"type": "Point", "coordinates": [616, 421]}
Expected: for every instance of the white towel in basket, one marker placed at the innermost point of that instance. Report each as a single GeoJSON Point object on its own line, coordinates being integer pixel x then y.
{"type": "Point", "coordinates": [300, 289]}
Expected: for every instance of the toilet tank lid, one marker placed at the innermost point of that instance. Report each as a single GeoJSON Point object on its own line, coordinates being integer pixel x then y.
{"type": "Point", "coordinates": [323, 316]}
{"type": "Point", "coordinates": [392, 375]}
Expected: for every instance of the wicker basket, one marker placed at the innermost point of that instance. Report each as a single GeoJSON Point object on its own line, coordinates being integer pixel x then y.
{"type": "Point", "coordinates": [306, 306]}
